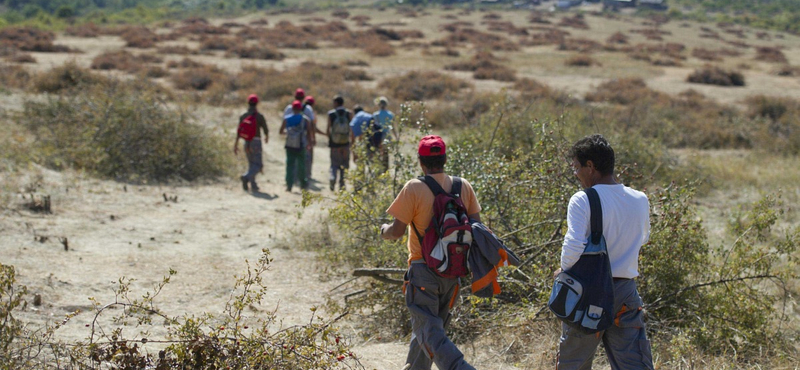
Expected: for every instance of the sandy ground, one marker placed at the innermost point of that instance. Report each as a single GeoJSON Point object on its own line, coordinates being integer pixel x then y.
{"type": "Point", "coordinates": [116, 230]}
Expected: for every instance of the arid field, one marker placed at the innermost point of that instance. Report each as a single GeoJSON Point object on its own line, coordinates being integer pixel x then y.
{"type": "Point", "coordinates": [461, 63]}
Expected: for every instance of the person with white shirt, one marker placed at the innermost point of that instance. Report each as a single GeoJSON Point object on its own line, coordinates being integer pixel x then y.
{"type": "Point", "coordinates": [626, 227]}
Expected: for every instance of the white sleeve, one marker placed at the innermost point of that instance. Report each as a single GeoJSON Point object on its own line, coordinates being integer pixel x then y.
{"type": "Point", "coordinates": [578, 228]}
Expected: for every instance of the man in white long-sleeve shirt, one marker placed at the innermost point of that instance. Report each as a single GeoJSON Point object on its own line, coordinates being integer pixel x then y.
{"type": "Point", "coordinates": [626, 227]}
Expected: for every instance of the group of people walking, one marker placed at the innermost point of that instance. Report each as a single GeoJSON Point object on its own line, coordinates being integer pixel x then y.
{"type": "Point", "coordinates": [299, 125]}
{"type": "Point", "coordinates": [429, 294]}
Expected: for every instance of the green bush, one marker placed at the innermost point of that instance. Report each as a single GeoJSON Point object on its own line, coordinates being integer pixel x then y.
{"type": "Point", "coordinates": [516, 159]}
{"type": "Point", "coordinates": [125, 131]}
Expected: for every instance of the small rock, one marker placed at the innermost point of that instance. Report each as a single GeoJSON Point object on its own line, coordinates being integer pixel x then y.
{"type": "Point", "coordinates": [37, 300]}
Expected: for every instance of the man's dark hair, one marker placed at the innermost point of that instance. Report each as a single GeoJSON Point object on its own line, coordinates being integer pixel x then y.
{"type": "Point", "coordinates": [338, 100]}
{"type": "Point", "coordinates": [595, 148]}
{"type": "Point", "coordinates": [357, 109]}
{"type": "Point", "coordinates": [251, 104]}
{"type": "Point", "coordinates": [434, 162]}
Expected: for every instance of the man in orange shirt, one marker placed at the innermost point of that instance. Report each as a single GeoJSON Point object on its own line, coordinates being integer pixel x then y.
{"type": "Point", "coordinates": [429, 297]}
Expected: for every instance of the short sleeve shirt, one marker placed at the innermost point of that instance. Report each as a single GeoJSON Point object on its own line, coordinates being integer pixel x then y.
{"type": "Point", "coordinates": [384, 118]}
{"type": "Point", "coordinates": [307, 110]}
{"type": "Point", "coordinates": [358, 122]}
{"type": "Point", "coordinates": [414, 205]}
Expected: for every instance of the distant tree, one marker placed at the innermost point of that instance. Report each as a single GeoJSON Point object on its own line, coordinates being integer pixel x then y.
{"type": "Point", "coordinates": [65, 11]}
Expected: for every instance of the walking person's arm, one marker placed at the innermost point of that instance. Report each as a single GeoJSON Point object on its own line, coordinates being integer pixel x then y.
{"type": "Point", "coordinates": [310, 133]}
{"type": "Point", "coordinates": [282, 130]}
{"type": "Point", "coordinates": [393, 231]}
{"type": "Point", "coordinates": [236, 145]}
{"type": "Point", "coordinates": [264, 128]}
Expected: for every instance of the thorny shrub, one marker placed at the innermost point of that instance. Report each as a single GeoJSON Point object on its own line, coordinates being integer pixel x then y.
{"type": "Point", "coordinates": [123, 130]}
{"type": "Point", "coordinates": [516, 159]}
{"type": "Point", "coordinates": [65, 77]}
{"type": "Point", "coordinates": [30, 39]}
{"type": "Point", "coordinates": [119, 334]}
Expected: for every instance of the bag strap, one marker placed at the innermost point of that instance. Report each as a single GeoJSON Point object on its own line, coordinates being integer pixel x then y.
{"type": "Point", "coordinates": [596, 214]}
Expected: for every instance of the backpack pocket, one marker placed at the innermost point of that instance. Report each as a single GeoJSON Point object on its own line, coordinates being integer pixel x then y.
{"type": "Point", "coordinates": [592, 317]}
{"type": "Point", "coordinates": [565, 297]}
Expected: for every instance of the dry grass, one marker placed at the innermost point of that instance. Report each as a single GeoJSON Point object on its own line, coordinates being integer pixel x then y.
{"type": "Point", "coordinates": [506, 27]}
{"type": "Point", "coordinates": [198, 26]}
{"type": "Point", "coordinates": [654, 34]}
{"type": "Point", "coordinates": [711, 75]}
{"type": "Point", "coordinates": [184, 63]}
{"type": "Point", "coordinates": [422, 85]}
{"type": "Point", "coordinates": [580, 45]}
{"type": "Point", "coordinates": [361, 20]}
{"type": "Point", "coordinates": [219, 43]}
{"type": "Point", "coordinates": [539, 17]}
{"type": "Point", "coordinates": [340, 14]}
{"type": "Point", "coordinates": [787, 71]}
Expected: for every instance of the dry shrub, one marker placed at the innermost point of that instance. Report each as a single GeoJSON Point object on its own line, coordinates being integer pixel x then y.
{"type": "Point", "coordinates": [706, 54]}
{"type": "Point", "coordinates": [479, 40]}
{"type": "Point", "coordinates": [422, 85]}
{"type": "Point", "coordinates": [506, 27]}
{"type": "Point", "coordinates": [450, 52]}
{"type": "Point", "coordinates": [454, 26]}
{"type": "Point", "coordinates": [769, 107]}
{"type": "Point", "coordinates": [377, 48]}
{"type": "Point", "coordinates": [284, 35]}
{"type": "Point", "coordinates": [665, 62]}
{"type": "Point", "coordinates": [551, 36]}
{"type": "Point", "coordinates": [763, 36]}
{"type": "Point", "coordinates": [581, 45]}
{"type": "Point", "coordinates": [260, 22]}
{"type": "Point", "coordinates": [340, 13]}
{"type": "Point", "coordinates": [577, 21]}
{"type": "Point", "coordinates": [184, 63]}
{"type": "Point", "coordinates": [652, 33]}
{"type": "Point", "coordinates": [492, 16]}
{"type": "Point", "coordinates": [199, 78]}
{"type": "Point", "coordinates": [407, 12]}
{"type": "Point", "coordinates": [647, 51]}
{"type": "Point", "coordinates": [484, 66]}
{"type": "Point", "coordinates": [155, 72]}
{"type": "Point", "coordinates": [736, 32]}
{"type": "Point", "coordinates": [83, 30]}
{"type": "Point", "coordinates": [218, 43]}
{"type": "Point", "coordinates": [450, 17]}
{"type": "Point", "coordinates": [361, 20]}
{"type": "Point", "coordinates": [624, 91]}
{"type": "Point", "coordinates": [65, 77]}
{"type": "Point", "coordinates": [712, 75]}
{"type": "Point", "coordinates": [739, 44]}
{"type": "Point", "coordinates": [618, 38]}
{"type": "Point", "coordinates": [787, 71]}
{"type": "Point", "coordinates": [498, 73]}
{"type": "Point", "coordinates": [139, 37]}
{"type": "Point", "coordinates": [30, 39]}
{"type": "Point", "coordinates": [539, 17]}
{"type": "Point", "coordinates": [196, 27]}
{"type": "Point", "coordinates": [176, 49]}
{"type": "Point", "coordinates": [232, 25]}
{"type": "Point", "coordinates": [22, 58]}
{"type": "Point", "coordinates": [355, 63]}
{"type": "Point", "coordinates": [14, 76]}
{"type": "Point", "coordinates": [770, 55]}
{"type": "Point", "coordinates": [123, 60]}
{"type": "Point", "coordinates": [356, 75]}
{"type": "Point", "coordinates": [324, 81]}
{"type": "Point", "coordinates": [532, 89]}
{"type": "Point", "coordinates": [781, 132]}
{"type": "Point", "coordinates": [581, 60]}
{"type": "Point", "coordinates": [258, 51]}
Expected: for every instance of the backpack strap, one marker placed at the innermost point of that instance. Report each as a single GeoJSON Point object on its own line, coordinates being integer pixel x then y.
{"type": "Point", "coordinates": [437, 189]}
{"type": "Point", "coordinates": [596, 214]}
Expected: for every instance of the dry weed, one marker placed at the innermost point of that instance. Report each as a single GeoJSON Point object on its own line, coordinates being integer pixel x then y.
{"type": "Point", "coordinates": [577, 21]}
{"type": "Point", "coordinates": [30, 39]}
{"type": "Point", "coordinates": [581, 60]}
{"type": "Point", "coordinates": [624, 91]}
{"type": "Point", "coordinates": [84, 30]}
{"type": "Point", "coordinates": [618, 38]}
{"type": "Point", "coordinates": [258, 51]}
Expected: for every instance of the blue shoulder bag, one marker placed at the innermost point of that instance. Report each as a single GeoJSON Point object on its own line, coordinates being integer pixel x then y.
{"type": "Point", "coordinates": [583, 296]}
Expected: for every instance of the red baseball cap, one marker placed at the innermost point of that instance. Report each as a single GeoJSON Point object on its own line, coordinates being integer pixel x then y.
{"type": "Point", "coordinates": [299, 94]}
{"type": "Point", "coordinates": [252, 99]}
{"type": "Point", "coordinates": [297, 105]}
{"type": "Point", "coordinates": [427, 145]}
{"type": "Point", "coordinates": [310, 100]}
